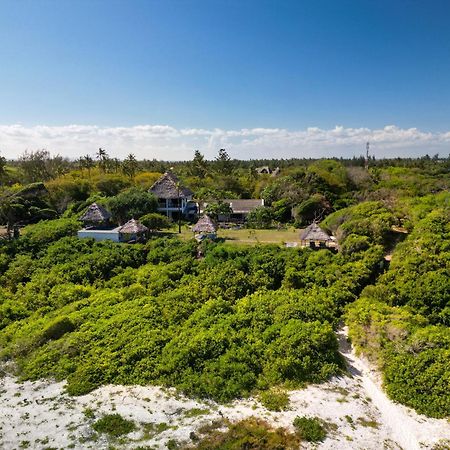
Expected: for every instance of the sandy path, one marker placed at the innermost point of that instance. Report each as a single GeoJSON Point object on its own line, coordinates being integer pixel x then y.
{"type": "Point", "coordinates": [408, 429]}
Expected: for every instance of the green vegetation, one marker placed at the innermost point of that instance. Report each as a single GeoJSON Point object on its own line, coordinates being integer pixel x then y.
{"type": "Point", "coordinates": [274, 399]}
{"type": "Point", "coordinates": [244, 319]}
{"type": "Point", "coordinates": [114, 425]}
{"type": "Point", "coordinates": [402, 322]}
{"type": "Point", "coordinates": [238, 320]}
{"type": "Point", "coordinates": [133, 202]}
{"type": "Point", "coordinates": [310, 428]}
{"type": "Point", "coordinates": [251, 434]}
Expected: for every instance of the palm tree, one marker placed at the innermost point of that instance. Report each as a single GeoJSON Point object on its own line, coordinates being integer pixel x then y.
{"type": "Point", "coordinates": [130, 166]}
{"type": "Point", "coordinates": [88, 163]}
{"type": "Point", "coordinates": [103, 158]}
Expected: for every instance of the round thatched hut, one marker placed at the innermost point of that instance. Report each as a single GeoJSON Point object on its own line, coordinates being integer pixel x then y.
{"type": "Point", "coordinates": [205, 228]}
{"type": "Point", "coordinates": [133, 231]}
{"type": "Point", "coordinates": [96, 216]}
{"type": "Point", "coordinates": [314, 236]}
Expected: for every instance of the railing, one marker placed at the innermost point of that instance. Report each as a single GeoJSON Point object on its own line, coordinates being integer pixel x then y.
{"type": "Point", "coordinates": [170, 205]}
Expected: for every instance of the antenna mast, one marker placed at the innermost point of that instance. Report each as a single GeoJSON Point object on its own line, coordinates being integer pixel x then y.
{"type": "Point", "coordinates": [366, 165]}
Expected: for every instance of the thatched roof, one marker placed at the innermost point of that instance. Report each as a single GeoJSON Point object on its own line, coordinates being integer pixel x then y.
{"type": "Point", "coordinates": [133, 227]}
{"type": "Point", "coordinates": [168, 186]}
{"type": "Point", "coordinates": [96, 214]}
{"type": "Point", "coordinates": [205, 225]}
{"type": "Point", "coordinates": [314, 233]}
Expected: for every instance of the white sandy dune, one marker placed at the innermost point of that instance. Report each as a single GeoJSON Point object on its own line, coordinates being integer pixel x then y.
{"type": "Point", "coordinates": [40, 415]}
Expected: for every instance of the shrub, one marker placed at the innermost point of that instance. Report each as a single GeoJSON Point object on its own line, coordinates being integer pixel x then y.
{"type": "Point", "coordinates": [133, 202]}
{"type": "Point", "coordinates": [57, 329]}
{"type": "Point", "coordinates": [110, 185]}
{"type": "Point", "coordinates": [250, 434]}
{"type": "Point", "coordinates": [39, 235]}
{"type": "Point", "coordinates": [114, 425]}
{"type": "Point", "coordinates": [310, 428]}
{"type": "Point", "coordinates": [156, 314]}
{"type": "Point", "coordinates": [260, 218]}
{"type": "Point", "coordinates": [355, 243]}
{"type": "Point", "coordinates": [274, 399]}
{"type": "Point", "coordinates": [155, 221]}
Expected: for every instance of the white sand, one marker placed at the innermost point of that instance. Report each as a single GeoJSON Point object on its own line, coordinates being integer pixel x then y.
{"type": "Point", "coordinates": [40, 414]}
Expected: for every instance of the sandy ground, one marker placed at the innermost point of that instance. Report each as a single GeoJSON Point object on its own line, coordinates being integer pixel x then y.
{"type": "Point", "coordinates": [40, 415]}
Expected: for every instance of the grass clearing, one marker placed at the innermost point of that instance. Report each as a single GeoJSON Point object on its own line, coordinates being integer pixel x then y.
{"type": "Point", "coordinates": [246, 236]}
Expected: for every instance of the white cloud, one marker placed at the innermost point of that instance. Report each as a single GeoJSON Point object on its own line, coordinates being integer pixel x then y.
{"type": "Point", "coordinates": [170, 143]}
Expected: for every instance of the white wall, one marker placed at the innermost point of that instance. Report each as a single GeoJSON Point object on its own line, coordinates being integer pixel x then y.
{"type": "Point", "coordinates": [99, 235]}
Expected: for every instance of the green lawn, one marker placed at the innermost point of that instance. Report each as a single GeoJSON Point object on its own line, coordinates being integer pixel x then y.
{"type": "Point", "coordinates": [250, 237]}
{"type": "Point", "coordinates": [253, 237]}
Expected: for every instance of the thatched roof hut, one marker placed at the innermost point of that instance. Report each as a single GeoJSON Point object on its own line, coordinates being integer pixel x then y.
{"type": "Point", "coordinates": [96, 214]}
{"type": "Point", "coordinates": [168, 186]}
{"type": "Point", "coordinates": [313, 233]}
{"type": "Point", "coordinates": [205, 225]}
{"type": "Point", "coordinates": [133, 227]}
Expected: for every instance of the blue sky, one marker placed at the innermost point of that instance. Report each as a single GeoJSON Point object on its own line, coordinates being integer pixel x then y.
{"type": "Point", "coordinates": [223, 64]}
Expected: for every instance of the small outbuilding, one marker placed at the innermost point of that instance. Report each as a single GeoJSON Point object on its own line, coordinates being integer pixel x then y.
{"type": "Point", "coordinates": [133, 231]}
{"type": "Point", "coordinates": [313, 236]}
{"type": "Point", "coordinates": [96, 216]}
{"type": "Point", "coordinates": [205, 228]}
{"type": "Point", "coordinates": [97, 224]}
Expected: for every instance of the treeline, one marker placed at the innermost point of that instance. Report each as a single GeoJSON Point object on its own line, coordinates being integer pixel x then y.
{"type": "Point", "coordinates": [40, 165]}
{"type": "Point", "coordinates": [297, 195]}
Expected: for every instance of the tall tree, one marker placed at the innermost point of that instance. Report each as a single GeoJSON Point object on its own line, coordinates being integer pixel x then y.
{"type": "Point", "coordinates": [34, 165]}
{"type": "Point", "coordinates": [2, 169]}
{"type": "Point", "coordinates": [88, 163]}
{"type": "Point", "coordinates": [103, 159]}
{"type": "Point", "coordinates": [130, 166]}
{"type": "Point", "coordinates": [223, 164]}
{"type": "Point", "coordinates": [198, 167]}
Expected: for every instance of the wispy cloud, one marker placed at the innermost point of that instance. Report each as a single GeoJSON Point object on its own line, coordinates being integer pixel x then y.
{"type": "Point", "coordinates": [170, 143]}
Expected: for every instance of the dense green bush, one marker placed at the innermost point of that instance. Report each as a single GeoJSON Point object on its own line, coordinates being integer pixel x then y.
{"type": "Point", "coordinates": [238, 321]}
{"type": "Point", "coordinates": [414, 355]}
{"type": "Point", "coordinates": [393, 321]}
{"type": "Point", "coordinates": [155, 221]}
{"type": "Point", "coordinates": [420, 378]}
{"type": "Point", "coordinates": [132, 203]}
{"type": "Point", "coordinates": [310, 429]}
{"type": "Point", "coordinates": [249, 434]}
{"type": "Point", "coordinates": [38, 236]}
{"type": "Point", "coordinates": [371, 219]}
{"type": "Point", "coordinates": [274, 399]}
{"type": "Point", "coordinates": [110, 184]}
{"type": "Point", "coordinates": [114, 425]}
{"type": "Point", "coordinates": [219, 327]}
